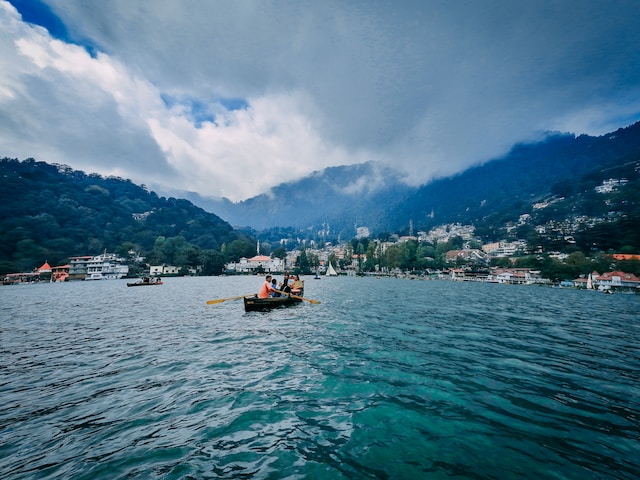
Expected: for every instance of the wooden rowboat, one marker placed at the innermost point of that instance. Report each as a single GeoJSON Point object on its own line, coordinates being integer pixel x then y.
{"type": "Point", "coordinates": [256, 304]}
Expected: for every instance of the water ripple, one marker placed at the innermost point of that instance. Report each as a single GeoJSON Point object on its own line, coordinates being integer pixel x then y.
{"type": "Point", "coordinates": [382, 379]}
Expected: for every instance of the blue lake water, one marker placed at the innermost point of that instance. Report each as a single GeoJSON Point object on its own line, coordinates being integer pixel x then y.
{"type": "Point", "coordinates": [385, 378]}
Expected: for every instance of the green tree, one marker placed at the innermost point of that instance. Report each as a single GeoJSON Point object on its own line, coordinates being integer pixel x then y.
{"type": "Point", "coordinates": [393, 257]}
{"type": "Point", "coordinates": [314, 261]}
{"type": "Point", "coordinates": [303, 262]}
{"type": "Point", "coordinates": [188, 255]}
{"type": "Point", "coordinates": [240, 248]}
{"type": "Point", "coordinates": [372, 260]}
{"type": "Point", "coordinates": [212, 262]}
{"type": "Point", "coordinates": [409, 250]}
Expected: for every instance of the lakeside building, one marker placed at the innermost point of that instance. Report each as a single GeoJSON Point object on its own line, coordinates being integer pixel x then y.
{"type": "Point", "coordinates": [20, 278]}
{"type": "Point", "coordinates": [78, 267]}
{"type": "Point", "coordinates": [517, 276]}
{"type": "Point", "coordinates": [106, 266]}
{"type": "Point", "coordinates": [157, 270]}
{"type": "Point", "coordinates": [616, 280]}
{"type": "Point", "coordinates": [60, 273]}
{"type": "Point", "coordinates": [44, 272]}
{"type": "Point", "coordinates": [255, 264]}
{"type": "Point", "coordinates": [514, 276]}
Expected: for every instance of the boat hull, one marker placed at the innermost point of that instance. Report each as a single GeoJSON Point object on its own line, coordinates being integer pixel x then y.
{"type": "Point", "coordinates": [255, 304]}
{"type": "Point", "coordinates": [144, 284]}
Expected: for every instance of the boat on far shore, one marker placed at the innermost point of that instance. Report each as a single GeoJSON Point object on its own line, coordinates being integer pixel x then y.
{"type": "Point", "coordinates": [145, 281]}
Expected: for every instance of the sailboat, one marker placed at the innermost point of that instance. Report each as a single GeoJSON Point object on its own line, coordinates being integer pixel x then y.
{"type": "Point", "coordinates": [590, 282]}
{"type": "Point", "coordinates": [330, 271]}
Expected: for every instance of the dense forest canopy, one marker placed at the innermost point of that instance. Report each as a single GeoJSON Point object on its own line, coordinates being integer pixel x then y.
{"type": "Point", "coordinates": [51, 212]}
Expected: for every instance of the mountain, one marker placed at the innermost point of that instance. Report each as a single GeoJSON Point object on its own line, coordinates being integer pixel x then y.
{"type": "Point", "coordinates": [375, 196]}
{"type": "Point", "coordinates": [51, 212]}
{"type": "Point", "coordinates": [512, 183]}
{"type": "Point", "coordinates": [337, 198]}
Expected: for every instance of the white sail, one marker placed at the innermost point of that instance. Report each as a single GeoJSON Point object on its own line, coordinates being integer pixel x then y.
{"type": "Point", "coordinates": [330, 271]}
{"type": "Point", "coordinates": [590, 282]}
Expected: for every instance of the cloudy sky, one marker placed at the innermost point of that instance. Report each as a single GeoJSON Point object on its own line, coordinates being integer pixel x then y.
{"type": "Point", "coordinates": [228, 98]}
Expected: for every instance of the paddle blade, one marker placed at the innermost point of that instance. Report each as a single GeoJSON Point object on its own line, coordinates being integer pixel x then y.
{"type": "Point", "coordinates": [220, 300]}
{"type": "Point", "coordinates": [211, 302]}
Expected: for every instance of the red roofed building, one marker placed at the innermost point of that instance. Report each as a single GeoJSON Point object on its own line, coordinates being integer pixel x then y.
{"type": "Point", "coordinates": [259, 258]}
{"type": "Point", "coordinates": [253, 264]}
{"type": "Point", "coordinates": [44, 272]}
{"type": "Point", "coordinates": [626, 256]}
{"type": "Point", "coordinates": [60, 273]}
{"type": "Point", "coordinates": [45, 268]}
{"type": "Point", "coordinates": [617, 279]}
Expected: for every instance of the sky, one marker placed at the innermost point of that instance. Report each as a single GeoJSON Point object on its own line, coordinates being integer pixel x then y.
{"type": "Point", "coordinates": [229, 98]}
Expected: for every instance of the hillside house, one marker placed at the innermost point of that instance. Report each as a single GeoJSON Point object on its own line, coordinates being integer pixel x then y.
{"type": "Point", "coordinates": [469, 255]}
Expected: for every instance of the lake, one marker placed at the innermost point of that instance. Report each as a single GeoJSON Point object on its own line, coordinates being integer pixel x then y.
{"type": "Point", "coordinates": [385, 378]}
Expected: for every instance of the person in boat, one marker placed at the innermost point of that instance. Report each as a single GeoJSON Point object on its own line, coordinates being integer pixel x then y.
{"type": "Point", "coordinates": [266, 288]}
{"type": "Point", "coordinates": [297, 286]}
{"type": "Point", "coordinates": [284, 286]}
{"type": "Point", "coordinates": [274, 284]}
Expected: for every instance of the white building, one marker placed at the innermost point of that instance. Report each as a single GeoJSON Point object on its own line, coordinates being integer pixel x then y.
{"type": "Point", "coordinates": [505, 249]}
{"type": "Point", "coordinates": [107, 266]}
{"type": "Point", "coordinates": [157, 270]}
{"type": "Point", "coordinates": [362, 232]}
{"type": "Point", "coordinates": [611, 185]}
{"type": "Point", "coordinates": [251, 265]}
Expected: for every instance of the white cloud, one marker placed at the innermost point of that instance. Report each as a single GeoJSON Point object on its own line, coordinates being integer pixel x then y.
{"type": "Point", "coordinates": [428, 88]}
{"type": "Point", "coordinates": [98, 116]}
{"type": "Point", "coordinates": [246, 151]}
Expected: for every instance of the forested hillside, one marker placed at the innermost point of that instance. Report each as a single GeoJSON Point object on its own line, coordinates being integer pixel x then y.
{"type": "Point", "coordinates": [50, 212]}
{"type": "Point", "coordinates": [510, 185]}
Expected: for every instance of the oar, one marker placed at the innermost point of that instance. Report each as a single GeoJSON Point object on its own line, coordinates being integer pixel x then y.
{"type": "Point", "coordinates": [310, 300]}
{"type": "Point", "coordinates": [220, 300]}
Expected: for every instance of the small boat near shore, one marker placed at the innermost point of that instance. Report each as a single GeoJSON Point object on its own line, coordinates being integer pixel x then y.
{"type": "Point", "coordinates": [146, 281]}
{"type": "Point", "coordinates": [255, 304]}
